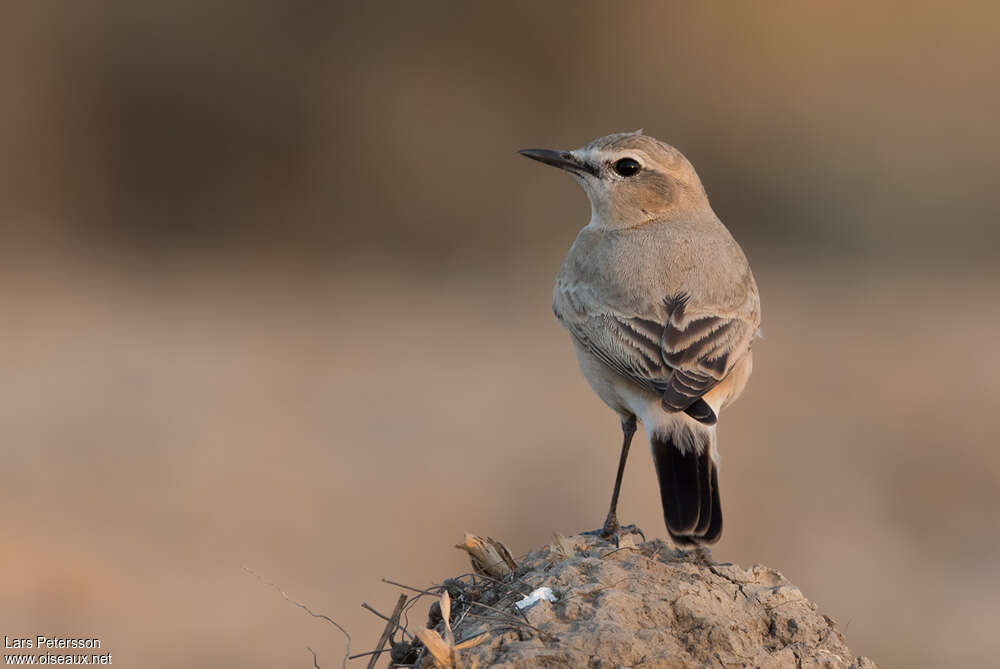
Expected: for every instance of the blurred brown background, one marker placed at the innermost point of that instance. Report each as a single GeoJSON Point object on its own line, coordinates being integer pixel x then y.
{"type": "Point", "coordinates": [251, 252]}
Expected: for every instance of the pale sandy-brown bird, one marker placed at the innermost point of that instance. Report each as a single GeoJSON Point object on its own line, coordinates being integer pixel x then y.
{"type": "Point", "coordinates": [662, 308]}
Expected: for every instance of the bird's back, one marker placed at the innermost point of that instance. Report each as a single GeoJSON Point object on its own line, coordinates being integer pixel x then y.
{"type": "Point", "coordinates": [633, 271]}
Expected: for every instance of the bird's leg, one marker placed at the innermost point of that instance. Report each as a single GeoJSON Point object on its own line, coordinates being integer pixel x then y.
{"type": "Point", "coordinates": [611, 526]}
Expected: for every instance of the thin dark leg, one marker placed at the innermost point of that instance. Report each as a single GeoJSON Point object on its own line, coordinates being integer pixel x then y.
{"type": "Point", "coordinates": [611, 525]}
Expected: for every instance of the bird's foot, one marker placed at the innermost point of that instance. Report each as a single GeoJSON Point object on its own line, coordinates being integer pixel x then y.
{"type": "Point", "coordinates": [613, 531]}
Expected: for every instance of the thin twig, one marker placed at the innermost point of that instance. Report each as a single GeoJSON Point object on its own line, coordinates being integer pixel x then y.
{"type": "Point", "coordinates": [410, 587]}
{"type": "Point", "coordinates": [405, 618]}
{"type": "Point", "coordinates": [366, 606]}
{"type": "Point", "coordinates": [462, 617]}
{"type": "Point", "coordinates": [305, 608]}
{"type": "Point", "coordinates": [387, 619]}
{"type": "Point", "coordinates": [497, 581]}
{"type": "Point", "coordinates": [390, 627]}
{"type": "Point", "coordinates": [413, 600]}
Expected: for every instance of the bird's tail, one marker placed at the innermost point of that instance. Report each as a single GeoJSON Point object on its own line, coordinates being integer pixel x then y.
{"type": "Point", "coordinates": [689, 483]}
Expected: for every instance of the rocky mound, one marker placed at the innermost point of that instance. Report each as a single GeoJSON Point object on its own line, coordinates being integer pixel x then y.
{"type": "Point", "coordinates": [583, 602]}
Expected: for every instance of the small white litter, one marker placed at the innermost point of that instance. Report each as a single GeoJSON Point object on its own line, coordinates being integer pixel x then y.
{"type": "Point", "coordinates": [536, 595]}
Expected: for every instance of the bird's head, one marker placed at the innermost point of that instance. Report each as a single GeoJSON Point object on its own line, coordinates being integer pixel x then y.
{"type": "Point", "coordinates": [631, 179]}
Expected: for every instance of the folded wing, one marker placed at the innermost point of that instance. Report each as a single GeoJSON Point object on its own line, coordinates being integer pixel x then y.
{"type": "Point", "coordinates": [681, 355]}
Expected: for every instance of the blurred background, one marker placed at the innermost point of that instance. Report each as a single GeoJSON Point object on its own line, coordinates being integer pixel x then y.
{"type": "Point", "coordinates": [276, 293]}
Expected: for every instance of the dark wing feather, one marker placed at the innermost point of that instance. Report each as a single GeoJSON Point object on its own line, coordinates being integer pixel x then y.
{"type": "Point", "coordinates": [699, 348]}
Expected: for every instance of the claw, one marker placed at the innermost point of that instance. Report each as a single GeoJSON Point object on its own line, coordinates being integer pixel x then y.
{"type": "Point", "coordinates": [613, 532]}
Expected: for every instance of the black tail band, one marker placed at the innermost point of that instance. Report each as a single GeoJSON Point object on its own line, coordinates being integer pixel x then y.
{"type": "Point", "coordinates": [689, 488]}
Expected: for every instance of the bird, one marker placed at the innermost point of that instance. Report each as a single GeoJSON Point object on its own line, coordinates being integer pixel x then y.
{"type": "Point", "coordinates": [662, 309]}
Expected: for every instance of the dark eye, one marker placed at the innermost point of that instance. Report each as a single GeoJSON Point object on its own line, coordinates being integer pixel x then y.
{"type": "Point", "coordinates": [627, 167]}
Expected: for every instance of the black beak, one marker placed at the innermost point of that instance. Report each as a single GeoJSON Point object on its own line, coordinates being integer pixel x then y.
{"type": "Point", "coordinates": [564, 160]}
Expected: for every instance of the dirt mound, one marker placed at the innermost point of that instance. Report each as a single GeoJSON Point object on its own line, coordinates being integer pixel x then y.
{"type": "Point", "coordinates": [637, 605]}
